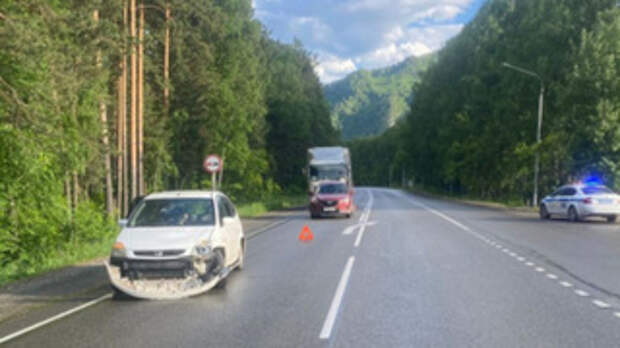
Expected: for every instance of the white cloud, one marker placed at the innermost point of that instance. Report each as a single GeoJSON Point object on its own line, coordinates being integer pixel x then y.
{"type": "Point", "coordinates": [331, 68]}
{"type": "Point", "coordinates": [354, 34]}
{"type": "Point", "coordinates": [319, 31]}
{"type": "Point", "coordinates": [439, 13]}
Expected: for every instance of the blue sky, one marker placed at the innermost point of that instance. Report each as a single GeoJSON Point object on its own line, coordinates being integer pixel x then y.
{"type": "Point", "coordinates": [347, 35]}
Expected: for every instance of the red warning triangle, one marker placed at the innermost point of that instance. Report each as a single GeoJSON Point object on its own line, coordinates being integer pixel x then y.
{"type": "Point", "coordinates": [305, 235]}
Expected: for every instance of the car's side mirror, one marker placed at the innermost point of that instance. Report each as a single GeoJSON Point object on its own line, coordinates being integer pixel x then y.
{"type": "Point", "coordinates": [227, 220]}
{"type": "Point", "coordinates": [122, 223]}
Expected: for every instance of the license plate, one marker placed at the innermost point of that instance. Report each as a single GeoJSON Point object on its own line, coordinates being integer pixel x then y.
{"type": "Point", "coordinates": [329, 209]}
{"type": "Point", "coordinates": [605, 201]}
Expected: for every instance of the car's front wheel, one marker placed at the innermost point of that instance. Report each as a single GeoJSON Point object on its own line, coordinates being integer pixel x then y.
{"type": "Point", "coordinates": [612, 218]}
{"type": "Point", "coordinates": [573, 215]}
{"type": "Point", "coordinates": [543, 212]}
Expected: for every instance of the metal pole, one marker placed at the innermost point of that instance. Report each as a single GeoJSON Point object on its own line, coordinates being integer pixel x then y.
{"type": "Point", "coordinates": [213, 181]}
{"type": "Point", "coordinates": [538, 136]}
{"type": "Point", "coordinates": [538, 128]}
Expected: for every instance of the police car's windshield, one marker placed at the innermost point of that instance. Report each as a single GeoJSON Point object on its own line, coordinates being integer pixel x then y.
{"type": "Point", "coordinates": [596, 190]}
{"type": "Point", "coordinates": [173, 212]}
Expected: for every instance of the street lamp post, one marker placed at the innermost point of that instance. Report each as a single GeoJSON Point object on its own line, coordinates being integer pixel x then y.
{"type": "Point", "coordinates": [538, 129]}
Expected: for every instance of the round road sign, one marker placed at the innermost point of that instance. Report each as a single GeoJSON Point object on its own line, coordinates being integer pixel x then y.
{"type": "Point", "coordinates": [212, 163]}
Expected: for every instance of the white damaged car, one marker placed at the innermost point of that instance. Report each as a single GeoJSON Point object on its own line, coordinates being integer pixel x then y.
{"type": "Point", "coordinates": [177, 244]}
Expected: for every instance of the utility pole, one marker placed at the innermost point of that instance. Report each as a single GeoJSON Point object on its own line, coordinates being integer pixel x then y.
{"type": "Point", "coordinates": [103, 118]}
{"type": "Point", "coordinates": [133, 99]}
{"type": "Point", "coordinates": [539, 125]}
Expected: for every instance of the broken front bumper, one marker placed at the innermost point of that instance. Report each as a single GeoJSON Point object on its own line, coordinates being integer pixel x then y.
{"type": "Point", "coordinates": [166, 278]}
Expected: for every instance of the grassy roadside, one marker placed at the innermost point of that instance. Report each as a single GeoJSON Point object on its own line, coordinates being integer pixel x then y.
{"type": "Point", "coordinates": [85, 252]}
{"type": "Point", "coordinates": [70, 256]}
{"type": "Point", "coordinates": [279, 202]}
{"type": "Point", "coordinates": [504, 205]}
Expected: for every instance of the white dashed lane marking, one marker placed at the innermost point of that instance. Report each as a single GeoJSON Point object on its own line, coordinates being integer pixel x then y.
{"type": "Point", "coordinates": [581, 293]}
{"type": "Point", "coordinates": [601, 304]}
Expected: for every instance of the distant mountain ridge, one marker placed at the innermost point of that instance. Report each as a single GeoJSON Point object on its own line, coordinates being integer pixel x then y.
{"type": "Point", "coordinates": [367, 102]}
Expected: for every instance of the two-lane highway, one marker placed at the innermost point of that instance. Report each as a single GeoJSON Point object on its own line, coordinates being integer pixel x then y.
{"type": "Point", "coordinates": [404, 271]}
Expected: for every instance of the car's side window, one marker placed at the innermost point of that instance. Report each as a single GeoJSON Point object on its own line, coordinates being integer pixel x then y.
{"type": "Point", "coordinates": [570, 191]}
{"type": "Point", "coordinates": [230, 206]}
{"type": "Point", "coordinates": [222, 209]}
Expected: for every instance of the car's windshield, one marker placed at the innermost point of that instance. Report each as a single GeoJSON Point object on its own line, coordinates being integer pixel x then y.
{"type": "Point", "coordinates": [596, 190]}
{"type": "Point", "coordinates": [330, 172]}
{"type": "Point", "coordinates": [333, 188]}
{"type": "Point", "coordinates": [173, 212]}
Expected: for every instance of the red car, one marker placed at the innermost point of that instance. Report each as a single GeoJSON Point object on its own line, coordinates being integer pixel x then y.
{"type": "Point", "coordinates": [332, 198]}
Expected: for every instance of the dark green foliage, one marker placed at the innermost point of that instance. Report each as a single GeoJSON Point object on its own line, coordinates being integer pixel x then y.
{"type": "Point", "coordinates": [233, 90]}
{"type": "Point", "coordinates": [366, 103]}
{"type": "Point", "coordinates": [298, 115]}
{"type": "Point", "coordinates": [472, 125]}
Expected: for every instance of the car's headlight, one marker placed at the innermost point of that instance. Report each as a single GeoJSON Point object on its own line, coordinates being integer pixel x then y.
{"type": "Point", "coordinates": [345, 200]}
{"type": "Point", "coordinates": [118, 250]}
{"type": "Point", "coordinates": [202, 250]}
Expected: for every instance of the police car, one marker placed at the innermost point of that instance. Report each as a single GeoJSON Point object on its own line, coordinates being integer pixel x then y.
{"type": "Point", "coordinates": [578, 201]}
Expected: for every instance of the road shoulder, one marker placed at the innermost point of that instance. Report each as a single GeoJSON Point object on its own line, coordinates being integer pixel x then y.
{"type": "Point", "coordinates": [71, 283]}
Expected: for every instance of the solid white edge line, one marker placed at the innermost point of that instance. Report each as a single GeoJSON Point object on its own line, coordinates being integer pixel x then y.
{"type": "Point", "coordinates": [440, 214]}
{"type": "Point", "coordinates": [54, 318]}
{"type": "Point", "coordinates": [330, 319]}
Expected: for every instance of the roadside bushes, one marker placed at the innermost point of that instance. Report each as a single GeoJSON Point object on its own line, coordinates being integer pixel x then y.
{"type": "Point", "coordinates": [38, 228]}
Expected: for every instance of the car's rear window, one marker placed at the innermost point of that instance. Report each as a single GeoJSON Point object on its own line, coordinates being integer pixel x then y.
{"type": "Point", "coordinates": [173, 212]}
{"type": "Point", "coordinates": [596, 190]}
{"type": "Point", "coordinates": [333, 188]}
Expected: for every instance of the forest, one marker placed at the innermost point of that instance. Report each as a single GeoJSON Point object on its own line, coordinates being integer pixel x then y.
{"type": "Point", "coordinates": [471, 130]}
{"type": "Point", "coordinates": [105, 101]}
{"type": "Point", "coordinates": [367, 102]}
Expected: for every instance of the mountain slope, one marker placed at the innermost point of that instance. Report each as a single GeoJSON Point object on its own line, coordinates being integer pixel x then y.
{"type": "Point", "coordinates": [366, 102]}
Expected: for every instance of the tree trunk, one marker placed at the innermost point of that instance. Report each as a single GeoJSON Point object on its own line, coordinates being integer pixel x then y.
{"type": "Point", "coordinates": [140, 105]}
{"type": "Point", "coordinates": [69, 196]}
{"type": "Point", "coordinates": [125, 156]}
{"type": "Point", "coordinates": [133, 100]}
{"type": "Point", "coordinates": [167, 61]}
{"type": "Point", "coordinates": [103, 118]}
{"type": "Point", "coordinates": [76, 189]}
{"type": "Point", "coordinates": [121, 109]}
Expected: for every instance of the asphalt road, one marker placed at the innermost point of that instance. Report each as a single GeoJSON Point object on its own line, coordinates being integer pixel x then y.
{"type": "Point", "coordinates": [418, 272]}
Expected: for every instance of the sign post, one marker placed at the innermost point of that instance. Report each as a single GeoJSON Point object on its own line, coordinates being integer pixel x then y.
{"type": "Point", "coordinates": [212, 164]}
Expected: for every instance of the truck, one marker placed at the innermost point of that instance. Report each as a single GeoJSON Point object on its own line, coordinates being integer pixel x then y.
{"type": "Point", "coordinates": [332, 163]}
